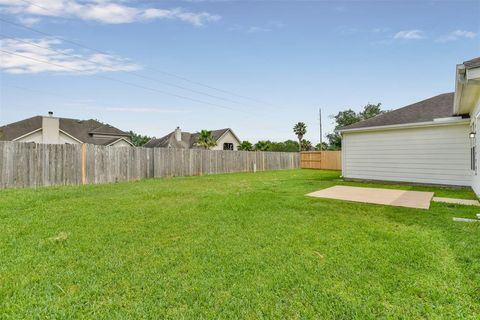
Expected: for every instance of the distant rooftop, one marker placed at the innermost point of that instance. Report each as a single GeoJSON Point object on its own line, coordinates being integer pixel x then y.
{"type": "Point", "coordinates": [188, 140]}
{"type": "Point", "coordinates": [86, 131]}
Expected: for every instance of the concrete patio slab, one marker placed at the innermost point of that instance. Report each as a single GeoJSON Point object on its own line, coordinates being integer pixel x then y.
{"type": "Point", "coordinates": [457, 201]}
{"type": "Point", "coordinates": [392, 197]}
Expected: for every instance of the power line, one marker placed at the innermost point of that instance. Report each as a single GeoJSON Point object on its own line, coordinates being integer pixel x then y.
{"type": "Point", "coordinates": [122, 81]}
{"type": "Point", "coordinates": [55, 94]}
{"type": "Point", "coordinates": [36, 5]}
{"type": "Point", "coordinates": [127, 71]}
{"type": "Point", "coordinates": [103, 52]}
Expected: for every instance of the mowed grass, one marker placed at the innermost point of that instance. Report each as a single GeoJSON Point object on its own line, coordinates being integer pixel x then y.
{"type": "Point", "coordinates": [233, 246]}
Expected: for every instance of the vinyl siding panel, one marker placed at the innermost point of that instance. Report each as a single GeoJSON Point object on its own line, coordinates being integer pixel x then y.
{"type": "Point", "coordinates": [475, 116]}
{"type": "Point", "coordinates": [434, 155]}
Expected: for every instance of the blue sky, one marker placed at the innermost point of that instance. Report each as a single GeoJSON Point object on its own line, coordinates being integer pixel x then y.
{"type": "Point", "coordinates": [267, 64]}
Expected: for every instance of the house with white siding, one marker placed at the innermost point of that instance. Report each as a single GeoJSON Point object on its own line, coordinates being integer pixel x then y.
{"type": "Point", "coordinates": [431, 142]}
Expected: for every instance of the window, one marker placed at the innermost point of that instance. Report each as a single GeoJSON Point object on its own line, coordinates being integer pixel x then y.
{"type": "Point", "coordinates": [228, 146]}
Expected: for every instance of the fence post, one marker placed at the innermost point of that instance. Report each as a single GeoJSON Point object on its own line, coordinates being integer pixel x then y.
{"type": "Point", "coordinates": [84, 180]}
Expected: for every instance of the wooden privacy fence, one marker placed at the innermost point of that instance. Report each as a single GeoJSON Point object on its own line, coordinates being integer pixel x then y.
{"type": "Point", "coordinates": [31, 165]}
{"type": "Point", "coordinates": [327, 160]}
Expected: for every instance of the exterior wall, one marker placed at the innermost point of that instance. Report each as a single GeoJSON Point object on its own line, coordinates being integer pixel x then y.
{"type": "Point", "coordinates": [433, 155]}
{"type": "Point", "coordinates": [39, 137]}
{"type": "Point", "coordinates": [121, 143]}
{"type": "Point", "coordinates": [36, 137]}
{"type": "Point", "coordinates": [475, 116]}
{"type": "Point", "coordinates": [227, 138]}
{"type": "Point", "coordinates": [63, 138]}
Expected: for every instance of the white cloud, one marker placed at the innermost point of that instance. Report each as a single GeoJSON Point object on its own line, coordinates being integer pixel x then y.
{"type": "Point", "coordinates": [28, 21]}
{"type": "Point", "coordinates": [409, 35]}
{"type": "Point", "coordinates": [456, 35]}
{"type": "Point", "coordinates": [105, 11]}
{"type": "Point", "coordinates": [37, 58]}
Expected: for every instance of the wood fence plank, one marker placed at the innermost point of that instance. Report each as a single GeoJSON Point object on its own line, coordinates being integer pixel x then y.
{"type": "Point", "coordinates": [323, 160]}
{"type": "Point", "coordinates": [35, 165]}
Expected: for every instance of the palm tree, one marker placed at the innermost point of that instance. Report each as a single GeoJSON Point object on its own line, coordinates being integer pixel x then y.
{"type": "Point", "coordinates": [205, 139]}
{"type": "Point", "coordinates": [306, 145]}
{"type": "Point", "coordinates": [245, 146]}
{"type": "Point", "coordinates": [300, 129]}
{"type": "Point", "coordinates": [262, 146]}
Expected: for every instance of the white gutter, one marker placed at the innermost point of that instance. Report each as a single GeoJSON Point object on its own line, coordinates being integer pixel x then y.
{"type": "Point", "coordinates": [467, 89]}
{"type": "Point", "coordinates": [435, 123]}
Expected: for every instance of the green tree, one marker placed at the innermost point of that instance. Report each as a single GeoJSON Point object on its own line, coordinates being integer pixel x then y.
{"type": "Point", "coordinates": [245, 146]}
{"type": "Point", "coordinates": [290, 146]}
{"type": "Point", "coordinates": [262, 145]}
{"type": "Point", "coordinates": [371, 110]}
{"type": "Point", "coordinates": [205, 139]}
{"type": "Point", "coordinates": [334, 141]}
{"type": "Point", "coordinates": [138, 140]}
{"type": "Point", "coordinates": [285, 146]}
{"type": "Point", "coordinates": [324, 146]}
{"type": "Point", "coordinates": [348, 117]}
{"type": "Point", "coordinates": [306, 145]}
{"type": "Point", "coordinates": [300, 129]}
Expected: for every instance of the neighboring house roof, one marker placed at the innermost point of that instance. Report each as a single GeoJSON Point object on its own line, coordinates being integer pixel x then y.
{"type": "Point", "coordinates": [440, 106]}
{"type": "Point", "coordinates": [189, 140]}
{"type": "Point", "coordinates": [17, 129]}
{"type": "Point", "coordinates": [87, 131]}
{"type": "Point", "coordinates": [474, 63]}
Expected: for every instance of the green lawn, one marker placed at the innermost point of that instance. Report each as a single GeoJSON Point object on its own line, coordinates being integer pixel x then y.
{"type": "Point", "coordinates": [233, 246]}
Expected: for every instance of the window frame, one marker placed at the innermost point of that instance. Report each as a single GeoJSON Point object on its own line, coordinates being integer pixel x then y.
{"type": "Point", "coordinates": [230, 145]}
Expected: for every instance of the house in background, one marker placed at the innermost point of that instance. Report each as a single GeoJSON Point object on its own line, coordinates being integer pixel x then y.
{"type": "Point", "coordinates": [432, 141]}
{"type": "Point", "coordinates": [226, 139]}
{"type": "Point", "coordinates": [53, 130]}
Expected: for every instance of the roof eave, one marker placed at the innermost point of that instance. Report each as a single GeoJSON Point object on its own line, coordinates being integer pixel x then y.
{"type": "Point", "coordinates": [467, 89]}
{"type": "Point", "coordinates": [233, 134]}
{"type": "Point", "coordinates": [408, 125]}
{"type": "Point", "coordinates": [124, 134]}
{"type": "Point", "coordinates": [113, 142]}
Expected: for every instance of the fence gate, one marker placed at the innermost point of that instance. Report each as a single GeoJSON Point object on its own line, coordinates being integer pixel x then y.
{"type": "Point", "coordinates": [323, 160]}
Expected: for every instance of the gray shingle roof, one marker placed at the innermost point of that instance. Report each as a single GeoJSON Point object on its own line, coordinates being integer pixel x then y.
{"type": "Point", "coordinates": [189, 140]}
{"type": "Point", "coordinates": [440, 106]}
{"type": "Point", "coordinates": [82, 130]}
{"type": "Point", "coordinates": [17, 129]}
{"type": "Point", "coordinates": [474, 63]}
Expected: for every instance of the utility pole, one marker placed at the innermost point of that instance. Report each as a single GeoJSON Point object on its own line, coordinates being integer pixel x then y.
{"type": "Point", "coordinates": [320, 118]}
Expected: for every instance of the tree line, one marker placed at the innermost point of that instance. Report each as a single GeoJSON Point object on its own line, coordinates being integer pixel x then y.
{"type": "Point", "coordinates": [334, 140]}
